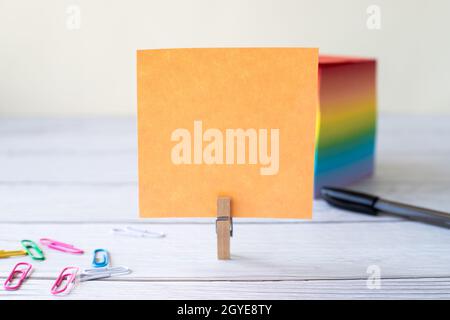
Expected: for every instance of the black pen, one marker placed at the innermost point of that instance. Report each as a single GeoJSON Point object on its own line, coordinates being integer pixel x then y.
{"type": "Point", "coordinates": [369, 204]}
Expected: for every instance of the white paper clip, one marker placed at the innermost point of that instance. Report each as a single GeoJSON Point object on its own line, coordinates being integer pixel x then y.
{"type": "Point", "coordinates": [105, 272]}
{"type": "Point", "coordinates": [137, 232]}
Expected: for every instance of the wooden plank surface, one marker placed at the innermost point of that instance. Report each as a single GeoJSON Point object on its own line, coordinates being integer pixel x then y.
{"type": "Point", "coordinates": [259, 251]}
{"type": "Point", "coordinates": [75, 179]}
{"type": "Point", "coordinates": [433, 288]}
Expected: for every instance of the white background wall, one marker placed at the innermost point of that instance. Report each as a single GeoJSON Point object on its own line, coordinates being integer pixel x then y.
{"type": "Point", "coordinates": [48, 69]}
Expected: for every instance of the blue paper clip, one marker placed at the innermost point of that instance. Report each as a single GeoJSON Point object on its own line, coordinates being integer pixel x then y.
{"type": "Point", "coordinates": [101, 258]}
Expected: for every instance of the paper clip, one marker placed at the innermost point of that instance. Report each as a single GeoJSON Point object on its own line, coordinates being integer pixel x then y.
{"type": "Point", "coordinates": [105, 272]}
{"type": "Point", "coordinates": [60, 246]}
{"type": "Point", "coordinates": [96, 262]}
{"type": "Point", "coordinates": [137, 232]}
{"type": "Point", "coordinates": [68, 274]}
{"type": "Point", "coordinates": [20, 272]}
{"type": "Point", "coordinates": [33, 250]}
{"type": "Point", "coordinates": [13, 253]}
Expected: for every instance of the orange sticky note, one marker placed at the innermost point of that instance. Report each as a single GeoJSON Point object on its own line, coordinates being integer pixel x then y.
{"type": "Point", "coordinates": [237, 122]}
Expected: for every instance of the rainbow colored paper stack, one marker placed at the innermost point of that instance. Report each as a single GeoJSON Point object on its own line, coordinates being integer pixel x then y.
{"type": "Point", "coordinates": [345, 146]}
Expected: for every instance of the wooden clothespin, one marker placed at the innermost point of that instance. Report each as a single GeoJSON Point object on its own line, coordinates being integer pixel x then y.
{"type": "Point", "coordinates": [224, 227]}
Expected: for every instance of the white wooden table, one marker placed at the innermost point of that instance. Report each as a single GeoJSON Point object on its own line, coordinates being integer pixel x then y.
{"type": "Point", "coordinates": [75, 179]}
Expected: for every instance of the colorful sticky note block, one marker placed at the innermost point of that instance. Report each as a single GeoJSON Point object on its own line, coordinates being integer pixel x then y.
{"type": "Point", "coordinates": [345, 146]}
{"type": "Point", "coordinates": [237, 122]}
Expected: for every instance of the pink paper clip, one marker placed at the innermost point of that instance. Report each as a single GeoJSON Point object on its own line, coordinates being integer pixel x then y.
{"type": "Point", "coordinates": [17, 271]}
{"type": "Point", "coordinates": [68, 274]}
{"type": "Point", "coordinates": [60, 246]}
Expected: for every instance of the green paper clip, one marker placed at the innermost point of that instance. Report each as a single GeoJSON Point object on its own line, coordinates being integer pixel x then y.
{"type": "Point", "coordinates": [33, 250]}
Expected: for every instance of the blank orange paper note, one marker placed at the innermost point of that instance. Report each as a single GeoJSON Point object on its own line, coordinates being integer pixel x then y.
{"type": "Point", "coordinates": [227, 122]}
